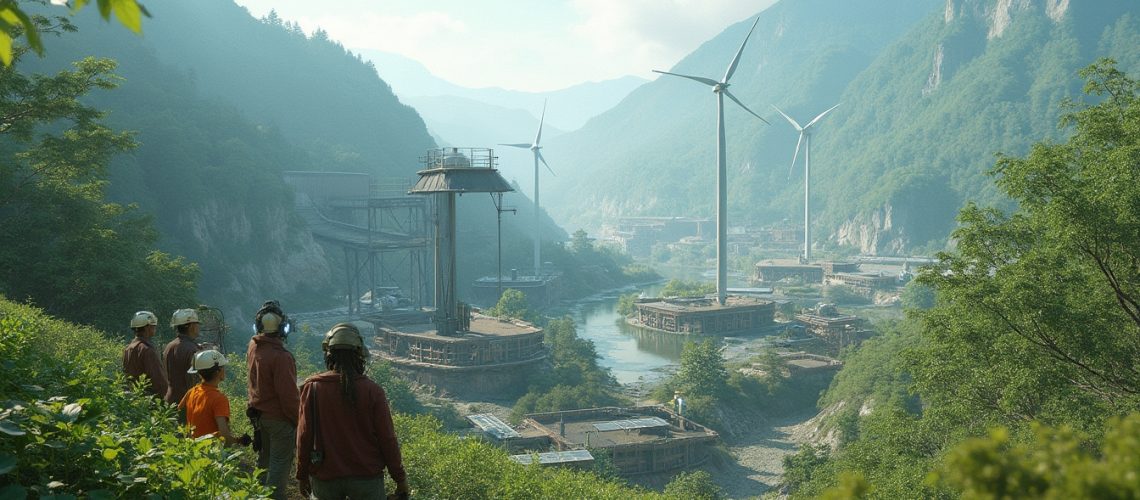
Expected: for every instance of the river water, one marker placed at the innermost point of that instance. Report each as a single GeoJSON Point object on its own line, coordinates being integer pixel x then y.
{"type": "Point", "coordinates": [631, 354]}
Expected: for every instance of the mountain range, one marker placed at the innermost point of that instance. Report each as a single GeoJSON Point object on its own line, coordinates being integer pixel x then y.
{"type": "Point", "coordinates": [930, 91]}
{"type": "Point", "coordinates": [222, 104]}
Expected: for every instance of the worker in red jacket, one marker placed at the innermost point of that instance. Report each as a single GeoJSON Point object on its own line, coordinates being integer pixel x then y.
{"type": "Point", "coordinates": [345, 436]}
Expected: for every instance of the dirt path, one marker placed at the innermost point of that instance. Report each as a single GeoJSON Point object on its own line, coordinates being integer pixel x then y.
{"type": "Point", "coordinates": [758, 465]}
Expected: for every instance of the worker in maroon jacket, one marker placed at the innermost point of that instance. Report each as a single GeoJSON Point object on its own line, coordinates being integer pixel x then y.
{"type": "Point", "coordinates": [345, 436]}
{"type": "Point", "coordinates": [140, 357]}
{"type": "Point", "coordinates": [179, 354]}
{"type": "Point", "coordinates": [273, 397]}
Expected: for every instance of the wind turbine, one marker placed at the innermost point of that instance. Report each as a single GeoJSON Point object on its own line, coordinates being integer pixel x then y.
{"type": "Point", "coordinates": [536, 148]}
{"type": "Point", "coordinates": [721, 89]}
{"type": "Point", "coordinates": [805, 139]}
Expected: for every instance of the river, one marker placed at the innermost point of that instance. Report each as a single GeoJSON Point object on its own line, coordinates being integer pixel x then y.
{"type": "Point", "coordinates": [632, 355]}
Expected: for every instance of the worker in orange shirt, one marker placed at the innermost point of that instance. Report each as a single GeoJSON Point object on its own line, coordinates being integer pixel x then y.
{"type": "Point", "coordinates": [207, 410]}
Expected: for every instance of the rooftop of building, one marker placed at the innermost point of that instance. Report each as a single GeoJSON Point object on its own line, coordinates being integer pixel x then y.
{"type": "Point", "coordinates": [703, 304]}
{"type": "Point", "coordinates": [481, 327]}
{"type": "Point", "coordinates": [787, 263]}
{"type": "Point", "coordinates": [608, 427]}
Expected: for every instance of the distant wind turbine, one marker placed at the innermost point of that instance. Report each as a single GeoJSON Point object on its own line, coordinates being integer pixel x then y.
{"type": "Point", "coordinates": [805, 139]}
{"type": "Point", "coordinates": [536, 148]}
{"type": "Point", "coordinates": [721, 89]}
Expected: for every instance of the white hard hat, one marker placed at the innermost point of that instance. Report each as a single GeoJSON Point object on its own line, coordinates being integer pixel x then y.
{"type": "Point", "coordinates": [143, 318]}
{"type": "Point", "coordinates": [183, 316]}
{"type": "Point", "coordinates": [206, 360]}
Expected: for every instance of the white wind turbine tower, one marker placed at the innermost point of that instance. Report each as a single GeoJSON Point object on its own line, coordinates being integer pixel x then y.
{"type": "Point", "coordinates": [536, 148]}
{"type": "Point", "coordinates": [805, 139]}
{"type": "Point", "coordinates": [721, 89]}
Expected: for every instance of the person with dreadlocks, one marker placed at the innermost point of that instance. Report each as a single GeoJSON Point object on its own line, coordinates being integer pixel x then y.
{"type": "Point", "coordinates": [345, 436]}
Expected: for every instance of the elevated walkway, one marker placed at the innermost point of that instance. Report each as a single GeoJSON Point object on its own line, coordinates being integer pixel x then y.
{"type": "Point", "coordinates": [382, 232]}
{"type": "Point", "coordinates": [357, 237]}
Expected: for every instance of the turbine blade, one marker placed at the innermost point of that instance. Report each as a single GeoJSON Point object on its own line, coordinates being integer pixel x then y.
{"type": "Point", "coordinates": [707, 81]}
{"type": "Point", "coordinates": [796, 154]}
{"type": "Point", "coordinates": [736, 59]}
{"type": "Point", "coordinates": [816, 119]}
{"type": "Point", "coordinates": [538, 138]}
{"type": "Point", "coordinates": [527, 146]}
{"type": "Point", "coordinates": [786, 117]}
{"type": "Point", "coordinates": [543, 160]}
{"type": "Point", "coordinates": [737, 101]}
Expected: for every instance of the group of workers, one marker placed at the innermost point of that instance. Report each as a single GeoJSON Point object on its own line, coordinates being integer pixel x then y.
{"type": "Point", "coordinates": [337, 424]}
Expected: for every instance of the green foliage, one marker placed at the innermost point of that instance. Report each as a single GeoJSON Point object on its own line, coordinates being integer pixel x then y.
{"type": "Point", "coordinates": [445, 466]}
{"type": "Point", "coordinates": [710, 389]}
{"type": "Point", "coordinates": [1034, 326]}
{"type": "Point", "coordinates": [79, 256]}
{"type": "Point", "coordinates": [682, 288]}
{"type": "Point", "coordinates": [399, 391]}
{"type": "Point", "coordinates": [639, 273]}
{"type": "Point", "coordinates": [604, 466]}
{"type": "Point", "coordinates": [69, 428]}
{"type": "Point", "coordinates": [877, 371]}
{"type": "Point", "coordinates": [845, 294]}
{"type": "Point", "coordinates": [14, 22]}
{"type": "Point", "coordinates": [799, 467]}
{"type": "Point", "coordinates": [852, 485]}
{"type": "Point", "coordinates": [917, 296]}
{"type": "Point", "coordinates": [626, 304]}
{"type": "Point", "coordinates": [702, 369]}
{"type": "Point", "coordinates": [697, 485]}
{"type": "Point", "coordinates": [512, 304]}
{"type": "Point", "coordinates": [702, 382]}
{"type": "Point", "coordinates": [1056, 463]}
{"type": "Point", "coordinates": [1037, 314]}
{"type": "Point", "coordinates": [575, 379]}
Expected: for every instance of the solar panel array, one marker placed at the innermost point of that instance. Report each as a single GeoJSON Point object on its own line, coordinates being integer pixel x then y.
{"type": "Point", "coordinates": [630, 424]}
{"type": "Point", "coordinates": [555, 457]}
{"type": "Point", "coordinates": [491, 424]}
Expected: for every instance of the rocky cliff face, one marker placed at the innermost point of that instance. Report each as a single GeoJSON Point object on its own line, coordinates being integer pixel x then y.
{"type": "Point", "coordinates": [247, 256]}
{"type": "Point", "coordinates": [875, 233]}
{"type": "Point", "coordinates": [998, 14]}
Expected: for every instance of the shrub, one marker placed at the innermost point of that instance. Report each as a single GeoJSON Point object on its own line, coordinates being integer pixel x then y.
{"type": "Point", "coordinates": [68, 427]}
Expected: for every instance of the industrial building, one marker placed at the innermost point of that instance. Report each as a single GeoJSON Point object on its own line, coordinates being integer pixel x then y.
{"type": "Point", "coordinates": [641, 440]}
{"type": "Point", "coordinates": [704, 316]}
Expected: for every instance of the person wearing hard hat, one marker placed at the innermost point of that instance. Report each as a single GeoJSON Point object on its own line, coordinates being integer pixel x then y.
{"type": "Point", "coordinates": [179, 354]}
{"type": "Point", "coordinates": [207, 410]}
{"type": "Point", "coordinates": [141, 359]}
{"type": "Point", "coordinates": [273, 396]}
{"type": "Point", "coordinates": [345, 436]}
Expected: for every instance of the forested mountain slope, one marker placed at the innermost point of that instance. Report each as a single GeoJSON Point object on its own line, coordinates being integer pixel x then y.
{"type": "Point", "coordinates": [930, 90]}
{"type": "Point", "coordinates": [223, 104]}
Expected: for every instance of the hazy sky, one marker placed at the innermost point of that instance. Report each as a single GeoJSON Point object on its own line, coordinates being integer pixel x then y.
{"type": "Point", "coordinates": [521, 44]}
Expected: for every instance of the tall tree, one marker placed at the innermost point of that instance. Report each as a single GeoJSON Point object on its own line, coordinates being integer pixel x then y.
{"type": "Point", "coordinates": [1041, 317]}
{"type": "Point", "coordinates": [67, 249]}
{"type": "Point", "coordinates": [702, 369]}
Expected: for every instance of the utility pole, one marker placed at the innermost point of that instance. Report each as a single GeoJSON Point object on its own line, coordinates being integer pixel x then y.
{"type": "Point", "coordinates": [497, 198]}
